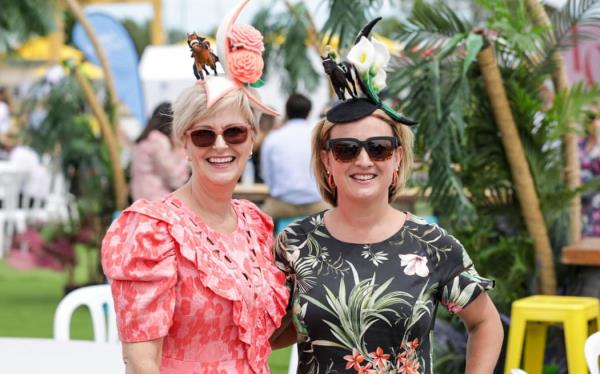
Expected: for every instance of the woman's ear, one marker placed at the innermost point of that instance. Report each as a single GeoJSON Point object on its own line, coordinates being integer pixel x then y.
{"type": "Point", "coordinates": [399, 157]}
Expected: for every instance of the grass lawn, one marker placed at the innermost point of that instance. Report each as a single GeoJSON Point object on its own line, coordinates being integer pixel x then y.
{"type": "Point", "coordinates": [28, 300]}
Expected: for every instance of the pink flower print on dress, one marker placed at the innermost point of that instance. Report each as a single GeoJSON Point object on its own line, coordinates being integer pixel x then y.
{"type": "Point", "coordinates": [379, 358]}
{"type": "Point", "coordinates": [246, 37]}
{"type": "Point", "coordinates": [415, 264]}
{"type": "Point", "coordinates": [364, 369]}
{"type": "Point", "coordinates": [354, 360]}
{"type": "Point", "coordinates": [245, 66]}
{"type": "Point", "coordinates": [453, 307]}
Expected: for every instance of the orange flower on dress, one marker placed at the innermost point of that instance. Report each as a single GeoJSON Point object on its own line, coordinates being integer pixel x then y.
{"type": "Point", "coordinates": [246, 37]}
{"type": "Point", "coordinates": [354, 360]}
{"type": "Point", "coordinates": [379, 358]}
{"type": "Point", "coordinates": [245, 66]}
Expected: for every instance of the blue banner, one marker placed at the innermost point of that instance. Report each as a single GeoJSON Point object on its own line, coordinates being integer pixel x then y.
{"type": "Point", "coordinates": [122, 58]}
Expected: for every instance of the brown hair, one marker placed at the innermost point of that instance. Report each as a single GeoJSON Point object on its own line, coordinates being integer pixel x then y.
{"type": "Point", "coordinates": [321, 134]}
{"type": "Point", "coordinates": [190, 108]}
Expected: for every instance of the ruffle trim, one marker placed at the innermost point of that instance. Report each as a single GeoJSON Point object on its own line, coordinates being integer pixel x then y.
{"type": "Point", "coordinates": [195, 245]}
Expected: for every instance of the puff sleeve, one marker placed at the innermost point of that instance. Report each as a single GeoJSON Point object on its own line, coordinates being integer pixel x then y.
{"type": "Point", "coordinates": [460, 283]}
{"type": "Point", "coordinates": [138, 257]}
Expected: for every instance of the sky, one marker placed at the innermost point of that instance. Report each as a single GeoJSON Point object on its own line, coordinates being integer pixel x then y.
{"type": "Point", "coordinates": [204, 15]}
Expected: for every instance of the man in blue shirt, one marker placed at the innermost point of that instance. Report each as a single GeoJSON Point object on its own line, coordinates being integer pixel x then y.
{"type": "Point", "coordinates": [285, 165]}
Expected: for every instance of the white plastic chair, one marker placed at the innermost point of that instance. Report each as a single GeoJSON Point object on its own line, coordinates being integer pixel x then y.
{"type": "Point", "coordinates": [99, 301]}
{"type": "Point", "coordinates": [592, 351]}
{"type": "Point", "coordinates": [11, 219]}
{"type": "Point", "coordinates": [293, 365]}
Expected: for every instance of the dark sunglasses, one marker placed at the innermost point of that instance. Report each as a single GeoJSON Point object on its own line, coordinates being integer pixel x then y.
{"type": "Point", "coordinates": [232, 135]}
{"type": "Point", "coordinates": [379, 148]}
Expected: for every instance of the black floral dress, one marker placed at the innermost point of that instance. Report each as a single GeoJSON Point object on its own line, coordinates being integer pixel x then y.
{"type": "Point", "coordinates": [370, 308]}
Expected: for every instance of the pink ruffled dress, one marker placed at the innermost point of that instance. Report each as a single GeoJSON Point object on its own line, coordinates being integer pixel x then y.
{"type": "Point", "coordinates": [215, 298]}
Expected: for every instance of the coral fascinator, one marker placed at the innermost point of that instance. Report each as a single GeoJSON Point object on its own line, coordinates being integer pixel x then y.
{"type": "Point", "coordinates": [239, 50]}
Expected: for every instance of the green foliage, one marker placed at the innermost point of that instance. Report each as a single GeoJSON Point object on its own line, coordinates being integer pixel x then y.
{"type": "Point", "coordinates": [347, 17]}
{"type": "Point", "coordinates": [140, 34]}
{"type": "Point", "coordinates": [60, 126]}
{"type": "Point", "coordinates": [22, 19]}
{"type": "Point", "coordinates": [489, 248]}
{"type": "Point", "coordinates": [286, 46]}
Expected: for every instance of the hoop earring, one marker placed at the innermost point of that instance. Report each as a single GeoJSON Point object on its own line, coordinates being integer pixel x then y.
{"type": "Point", "coordinates": [394, 180]}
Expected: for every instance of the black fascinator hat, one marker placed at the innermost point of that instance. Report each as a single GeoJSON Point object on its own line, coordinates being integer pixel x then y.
{"type": "Point", "coordinates": [364, 67]}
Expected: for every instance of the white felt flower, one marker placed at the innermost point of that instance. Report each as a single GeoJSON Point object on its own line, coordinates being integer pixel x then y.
{"type": "Point", "coordinates": [382, 55]}
{"type": "Point", "coordinates": [378, 82]}
{"type": "Point", "coordinates": [414, 265]}
{"type": "Point", "coordinates": [362, 55]}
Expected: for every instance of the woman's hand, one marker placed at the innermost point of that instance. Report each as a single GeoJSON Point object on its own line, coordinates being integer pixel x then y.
{"type": "Point", "coordinates": [143, 357]}
{"type": "Point", "coordinates": [285, 335]}
{"type": "Point", "coordinates": [485, 335]}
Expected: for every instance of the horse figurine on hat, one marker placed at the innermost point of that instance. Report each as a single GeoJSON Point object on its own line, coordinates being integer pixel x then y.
{"type": "Point", "coordinates": [202, 55]}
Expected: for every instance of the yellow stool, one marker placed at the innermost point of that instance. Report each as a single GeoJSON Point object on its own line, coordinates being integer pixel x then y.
{"type": "Point", "coordinates": [533, 315]}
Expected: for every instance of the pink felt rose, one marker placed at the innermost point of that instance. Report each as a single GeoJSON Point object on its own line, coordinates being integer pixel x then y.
{"type": "Point", "coordinates": [245, 66]}
{"type": "Point", "coordinates": [246, 37]}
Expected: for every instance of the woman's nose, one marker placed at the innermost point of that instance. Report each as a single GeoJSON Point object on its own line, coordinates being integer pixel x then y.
{"type": "Point", "coordinates": [220, 142]}
{"type": "Point", "coordinates": [363, 158]}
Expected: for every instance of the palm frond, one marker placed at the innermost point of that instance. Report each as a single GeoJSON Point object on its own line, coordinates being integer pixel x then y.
{"type": "Point", "coordinates": [576, 21]}
{"type": "Point", "coordinates": [575, 14]}
{"type": "Point", "coordinates": [20, 20]}
{"type": "Point", "coordinates": [286, 47]}
{"type": "Point", "coordinates": [346, 18]}
{"type": "Point", "coordinates": [430, 26]}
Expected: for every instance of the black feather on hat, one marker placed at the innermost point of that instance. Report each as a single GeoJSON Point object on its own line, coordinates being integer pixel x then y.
{"type": "Point", "coordinates": [365, 64]}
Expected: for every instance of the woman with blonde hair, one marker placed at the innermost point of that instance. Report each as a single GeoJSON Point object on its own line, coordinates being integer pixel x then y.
{"type": "Point", "coordinates": [194, 284]}
{"type": "Point", "coordinates": [365, 278]}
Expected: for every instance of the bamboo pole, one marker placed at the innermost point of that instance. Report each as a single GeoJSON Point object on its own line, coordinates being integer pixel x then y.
{"type": "Point", "coordinates": [519, 167]}
{"type": "Point", "coordinates": [569, 140]}
{"type": "Point", "coordinates": [110, 140]}
{"type": "Point", "coordinates": [157, 35]}
{"type": "Point", "coordinates": [89, 30]}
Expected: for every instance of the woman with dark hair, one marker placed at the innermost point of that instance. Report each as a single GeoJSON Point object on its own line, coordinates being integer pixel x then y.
{"type": "Point", "coordinates": [158, 167]}
{"type": "Point", "coordinates": [589, 155]}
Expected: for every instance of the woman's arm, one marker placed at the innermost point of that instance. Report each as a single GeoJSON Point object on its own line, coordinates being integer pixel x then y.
{"type": "Point", "coordinates": [285, 335]}
{"type": "Point", "coordinates": [143, 357]}
{"type": "Point", "coordinates": [485, 335]}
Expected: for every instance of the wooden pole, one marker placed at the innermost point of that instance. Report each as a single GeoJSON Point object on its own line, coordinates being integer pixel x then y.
{"type": "Point", "coordinates": [89, 30]}
{"type": "Point", "coordinates": [570, 150]}
{"type": "Point", "coordinates": [109, 138]}
{"type": "Point", "coordinates": [158, 36]}
{"type": "Point", "coordinates": [519, 167]}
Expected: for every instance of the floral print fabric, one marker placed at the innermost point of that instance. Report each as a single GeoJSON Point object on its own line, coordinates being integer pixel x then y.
{"type": "Point", "coordinates": [370, 308]}
{"type": "Point", "coordinates": [590, 200]}
{"type": "Point", "coordinates": [215, 298]}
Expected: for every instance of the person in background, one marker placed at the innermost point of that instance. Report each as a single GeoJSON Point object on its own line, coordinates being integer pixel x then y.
{"type": "Point", "coordinates": [158, 166]}
{"type": "Point", "coordinates": [4, 111]}
{"type": "Point", "coordinates": [285, 165]}
{"type": "Point", "coordinates": [589, 156]}
{"type": "Point", "coordinates": [266, 125]}
{"type": "Point", "coordinates": [36, 183]}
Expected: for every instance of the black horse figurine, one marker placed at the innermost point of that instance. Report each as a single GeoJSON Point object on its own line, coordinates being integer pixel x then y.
{"type": "Point", "coordinates": [340, 76]}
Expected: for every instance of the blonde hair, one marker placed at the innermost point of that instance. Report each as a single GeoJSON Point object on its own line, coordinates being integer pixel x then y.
{"type": "Point", "coordinates": [321, 134]}
{"type": "Point", "coordinates": [190, 107]}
